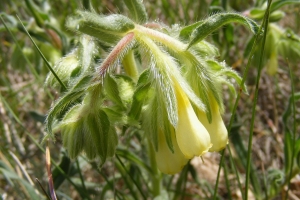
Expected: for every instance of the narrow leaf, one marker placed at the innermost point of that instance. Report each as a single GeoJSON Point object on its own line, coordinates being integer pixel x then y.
{"type": "Point", "coordinates": [137, 10]}
{"type": "Point", "coordinates": [278, 4]}
{"type": "Point", "coordinates": [214, 22]}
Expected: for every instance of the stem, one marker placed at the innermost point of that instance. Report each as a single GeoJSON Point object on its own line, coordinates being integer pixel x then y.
{"type": "Point", "coordinates": [291, 175]}
{"type": "Point", "coordinates": [235, 170]}
{"type": "Point", "coordinates": [116, 53]}
{"type": "Point", "coordinates": [130, 66]}
{"type": "Point", "coordinates": [172, 43]}
{"type": "Point", "coordinates": [266, 22]}
{"type": "Point", "coordinates": [156, 176]}
{"type": "Point", "coordinates": [218, 175]}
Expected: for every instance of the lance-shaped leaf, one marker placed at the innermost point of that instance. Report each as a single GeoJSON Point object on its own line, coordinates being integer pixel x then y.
{"type": "Point", "coordinates": [278, 4]}
{"type": "Point", "coordinates": [214, 22]}
{"type": "Point", "coordinates": [108, 29]}
{"type": "Point", "coordinates": [186, 31]}
{"type": "Point", "coordinates": [62, 104]}
{"type": "Point", "coordinates": [137, 10]}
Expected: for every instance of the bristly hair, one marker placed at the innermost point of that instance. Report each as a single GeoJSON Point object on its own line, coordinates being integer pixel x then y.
{"type": "Point", "coordinates": [116, 54]}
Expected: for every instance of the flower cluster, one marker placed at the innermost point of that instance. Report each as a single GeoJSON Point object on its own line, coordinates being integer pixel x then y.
{"type": "Point", "coordinates": [170, 86]}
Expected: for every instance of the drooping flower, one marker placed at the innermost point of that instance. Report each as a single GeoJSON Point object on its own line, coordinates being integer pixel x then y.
{"type": "Point", "coordinates": [192, 137]}
{"type": "Point", "coordinates": [169, 162]}
{"type": "Point", "coordinates": [216, 129]}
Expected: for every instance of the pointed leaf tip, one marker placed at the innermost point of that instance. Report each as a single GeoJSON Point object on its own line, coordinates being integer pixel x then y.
{"type": "Point", "coordinates": [214, 22]}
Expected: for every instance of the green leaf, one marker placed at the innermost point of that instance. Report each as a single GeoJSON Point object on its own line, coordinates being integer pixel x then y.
{"type": "Point", "coordinates": [278, 4]}
{"type": "Point", "coordinates": [130, 156]}
{"type": "Point", "coordinates": [214, 22]}
{"type": "Point", "coordinates": [288, 149]}
{"type": "Point", "coordinates": [39, 16]}
{"type": "Point", "coordinates": [112, 90]}
{"type": "Point", "coordinates": [137, 10]}
{"type": "Point", "coordinates": [30, 190]}
{"type": "Point", "coordinates": [186, 31]}
{"type": "Point", "coordinates": [297, 152]}
{"type": "Point", "coordinates": [67, 167]}
{"type": "Point", "coordinates": [107, 29]}
{"type": "Point", "coordinates": [237, 142]}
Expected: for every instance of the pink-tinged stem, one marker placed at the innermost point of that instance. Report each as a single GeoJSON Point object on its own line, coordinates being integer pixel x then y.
{"type": "Point", "coordinates": [114, 54]}
{"type": "Point", "coordinates": [50, 180]}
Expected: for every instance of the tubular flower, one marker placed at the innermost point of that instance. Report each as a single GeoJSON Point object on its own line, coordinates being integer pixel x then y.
{"type": "Point", "coordinates": [167, 161]}
{"type": "Point", "coordinates": [216, 129]}
{"type": "Point", "coordinates": [192, 137]}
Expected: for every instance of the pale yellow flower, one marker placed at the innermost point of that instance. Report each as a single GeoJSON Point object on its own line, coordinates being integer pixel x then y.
{"type": "Point", "coordinates": [168, 162]}
{"type": "Point", "coordinates": [216, 129]}
{"type": "Point", "coordinates": [192, 137]}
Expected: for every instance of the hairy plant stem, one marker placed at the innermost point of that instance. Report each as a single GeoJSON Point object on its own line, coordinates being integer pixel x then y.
{"type": "Point", "coordinates": [170, 42]}
{"type": "Point", "coordinates": [116, 53]}
{"type": "Point", "coordinates": [156, 175]}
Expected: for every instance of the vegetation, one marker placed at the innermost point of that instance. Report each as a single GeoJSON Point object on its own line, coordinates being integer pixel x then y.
{"type": "Point", "coordinates": [149, 100]}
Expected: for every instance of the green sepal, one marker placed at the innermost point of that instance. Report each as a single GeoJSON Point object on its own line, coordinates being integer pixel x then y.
{"type": "Point", "coordinates": [137, 10]}
{"type": "Point", "coordinates": [222, 69]}
{"type": "Point", "coordinates": [99, 126]}
{"type": "Point", "coordinates": [125, 87]}
{"type": "Point", "coordinates": [107, 29]}
{"type": "Point", "coordinates": [200, 82]}
{"type": "Point", "coordinates": [64, 68]}
{"type": "Point", "coordinates": [205, 49]}
{"type": "Point", "coordinates": [119, 117]}
{"type": "Point", "coordinates": [73, 131]}
{"type": "Point", "coordinates": [150, 121]}
{"type": "Point", "coordinates": [166, 128]}
{"type": "Point", "coordinates": [112, 90]}
{"type": "Point", "coordinates": [165, 93]}
{"type": "Point", "coordinates": [62, 104]}
{"type": "Point", "coordinates": [214, 22]}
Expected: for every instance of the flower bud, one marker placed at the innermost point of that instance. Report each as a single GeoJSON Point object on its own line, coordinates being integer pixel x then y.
{"type": "Point", "coordinates": [216, 129]}
{"type": "Point", "coordinates": [169, 162]}
{"type": "Point", "coordinates": [192, 137]}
